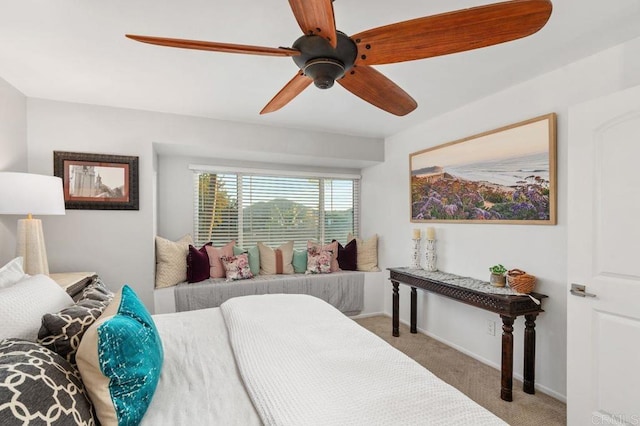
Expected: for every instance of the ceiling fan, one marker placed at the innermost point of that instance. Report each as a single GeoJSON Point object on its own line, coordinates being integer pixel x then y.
{"type": "Point", "coordinates": [325, 55]}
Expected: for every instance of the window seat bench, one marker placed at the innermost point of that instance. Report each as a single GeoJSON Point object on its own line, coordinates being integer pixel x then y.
{"type": "Point", "coordinates": [344, 290]}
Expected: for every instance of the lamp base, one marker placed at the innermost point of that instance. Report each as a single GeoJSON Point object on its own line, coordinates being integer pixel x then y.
{"type": "Point", "coordinates": [30, 245]}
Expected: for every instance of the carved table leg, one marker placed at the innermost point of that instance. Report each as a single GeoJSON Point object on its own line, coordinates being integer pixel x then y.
{"type": "Point", "coordinates": [507, 358]}
{"type": "Point", "coordinates": [395, 321]}
{"type": "Point", "coordinates": [414, 309]}
{"type": "Point", "coordinates": [529, 353]}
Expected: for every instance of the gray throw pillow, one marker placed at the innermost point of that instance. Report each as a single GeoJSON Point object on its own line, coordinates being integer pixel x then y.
{"type": "Point", "coordinates": [61, 332]}
{"type": "Point", "coordinates": [37, 386]}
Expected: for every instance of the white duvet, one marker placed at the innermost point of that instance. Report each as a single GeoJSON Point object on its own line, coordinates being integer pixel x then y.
{"type": "Point", "coordinates": [298, 361]}
{"type": "Point", "coordinates": [305, 363]}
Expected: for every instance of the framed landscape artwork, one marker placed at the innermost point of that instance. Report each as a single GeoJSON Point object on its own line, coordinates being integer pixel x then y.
{"type": "Point", "coordinates": [507, 175]}
{"type": "Point", "coordinates": [97, 181]}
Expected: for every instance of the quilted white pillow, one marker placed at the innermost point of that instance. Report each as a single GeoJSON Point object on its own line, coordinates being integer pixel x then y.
{"type": "Point", "coordinates": [23, 304]}
{"type": "Point", "coordinates": [367, 253]}
{"type": "Point", "coordinates": [12, 272]}
{"type": "Point", "coordinates": [171, 261]}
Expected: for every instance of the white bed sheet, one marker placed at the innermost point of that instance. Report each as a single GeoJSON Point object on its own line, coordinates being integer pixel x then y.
{"type": "Point", "coordinates": [199, 383]}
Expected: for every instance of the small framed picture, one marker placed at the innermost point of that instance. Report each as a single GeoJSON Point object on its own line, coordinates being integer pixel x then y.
{"type": "Point", "coordinates": [97, 181]}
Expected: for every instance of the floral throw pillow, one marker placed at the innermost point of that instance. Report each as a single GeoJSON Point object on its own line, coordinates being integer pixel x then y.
{"type": "Point", "coordinates": [237, 267]}
{"type": "Point", "coordinates": [318, 260]}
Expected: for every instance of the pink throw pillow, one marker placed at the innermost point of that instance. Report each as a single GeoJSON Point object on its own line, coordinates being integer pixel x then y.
{"type": "Point", "coordinates": [216, 270]}
{"type": "Point", "coordinates": [318, 262]}
{"type": "Point", "coordinates": [237, 267]}
{"type": "Point", "coordinates": [333, 248]}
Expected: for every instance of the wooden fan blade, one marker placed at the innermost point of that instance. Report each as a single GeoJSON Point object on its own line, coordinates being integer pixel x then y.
{"type": "Point", "coordinates": [216, 47]}
{"type": "Point", "coordinates": [292, 89]}
{"type": "Point", "coordinates": [315, 17]}
{"type": "Point", "coordinates": [373, 87]}
{"type": "Point", "coordinates": [452, 32]}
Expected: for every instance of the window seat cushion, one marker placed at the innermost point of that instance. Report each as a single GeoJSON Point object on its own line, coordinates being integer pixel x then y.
{"type": "Point", "coordinates": [344, 290]}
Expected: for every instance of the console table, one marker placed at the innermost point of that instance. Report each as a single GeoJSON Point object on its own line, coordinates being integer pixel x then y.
{"type": "Point", "coordinates": [472, 292]}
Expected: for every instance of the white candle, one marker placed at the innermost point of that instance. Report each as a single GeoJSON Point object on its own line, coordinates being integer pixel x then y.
{"type": "Point", "coordinates": [431, 233]}
{"type": "Point", "coordinates": [416, 233]}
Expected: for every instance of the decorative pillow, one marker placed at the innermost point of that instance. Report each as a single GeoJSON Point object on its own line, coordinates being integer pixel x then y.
{"type": "Point", "coordinates": [367, 253]}
{"type": "Point", "coordinates": [120, 358]}
{"type": "Point", "coordinates": [237, 267]}
{"type": "Point", "coordinates": [197, 264]}
{"type": "Point", "coordinates": [216, 270]}
{"type": "Point", "coordinates": [299, 261]}
{"type": "Point", "coordinates": [254, 257]}
{"type": "Point", "coordinates": [348, 256]}
{"type": "Point", "coordinates": [318, 261]}
{"type": "Point", "coordinates": [276, 261]}
{"type": "Point", "coordinates": [62, 332]}
{"type": "Point", "coordinates": [97, 290]}
{"type": "Point", "coordinates": [171, 261]}
{"type": "Point", "coordinates": [23, 304]}
{"type": "Point", "coordinates": [332, 247]}
{"type": "Point", "coordinates": [12, 272]}
{"type": "Point", "coordinates": [37, 386]}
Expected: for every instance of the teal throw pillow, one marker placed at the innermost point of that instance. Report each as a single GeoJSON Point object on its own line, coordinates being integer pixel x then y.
{"type": "Point", "coordinates": [129, 355]}
{"type": "Point", "coordinates": [299, 261]}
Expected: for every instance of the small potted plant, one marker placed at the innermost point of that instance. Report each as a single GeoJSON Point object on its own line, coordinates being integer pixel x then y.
{"type": "Point", "coordinates": [498, 277]}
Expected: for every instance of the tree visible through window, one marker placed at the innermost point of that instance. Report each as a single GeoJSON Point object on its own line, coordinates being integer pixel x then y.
{"type": "Point", "coordinates": [274, 209]}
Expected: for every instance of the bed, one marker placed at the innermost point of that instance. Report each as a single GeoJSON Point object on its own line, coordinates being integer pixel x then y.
{"type": "Point", "coordinates": [279, 359]}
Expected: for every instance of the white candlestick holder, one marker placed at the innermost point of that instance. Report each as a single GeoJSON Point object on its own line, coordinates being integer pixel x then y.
{"type": "Point", "coordinates": [430, 256]}
{"type": "Point", "coordinates": [415, 260]}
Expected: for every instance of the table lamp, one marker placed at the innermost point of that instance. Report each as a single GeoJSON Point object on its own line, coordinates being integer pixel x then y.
{"type": "Point", "coordinates": [27, 193]}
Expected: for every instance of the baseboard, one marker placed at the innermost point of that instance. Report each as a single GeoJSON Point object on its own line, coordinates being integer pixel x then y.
{"type": "Point", "coordinates": [483, 360]}
{"type": "Point", "coordinates": [367, 315]}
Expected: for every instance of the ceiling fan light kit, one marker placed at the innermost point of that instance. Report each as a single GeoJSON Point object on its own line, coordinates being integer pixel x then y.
{"type": "Point", "coordinates": [325, 55]}
{"type": "Point", "coordinates": [322, 62]}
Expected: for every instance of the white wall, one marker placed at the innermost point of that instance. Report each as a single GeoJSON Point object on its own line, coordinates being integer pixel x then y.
{"type": "Point", "coordinates": [119, 245]}
{"type": "Point", "coordinates": [469, 249]}
{"type": "Point", "coordinates": [13, 155]}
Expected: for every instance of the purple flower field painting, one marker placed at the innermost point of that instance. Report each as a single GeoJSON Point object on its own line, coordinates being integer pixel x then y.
{"type": "Point", "coordinates": [502, 176]}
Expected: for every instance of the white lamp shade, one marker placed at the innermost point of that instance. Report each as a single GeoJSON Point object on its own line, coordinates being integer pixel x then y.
{"type": "Point", "coordinates": [28, 193]}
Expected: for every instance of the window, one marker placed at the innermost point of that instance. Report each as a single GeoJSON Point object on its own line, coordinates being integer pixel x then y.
{"type": "Point", "coordinates": [273, 208]}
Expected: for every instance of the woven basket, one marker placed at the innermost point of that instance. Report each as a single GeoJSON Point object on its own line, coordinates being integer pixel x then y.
{"type": "Point", "coordinates": [520, 281]}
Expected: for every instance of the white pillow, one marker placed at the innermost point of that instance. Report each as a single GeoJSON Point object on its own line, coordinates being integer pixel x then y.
{"type": "Point", "coordinates": [12, 272]}
{"type": "Point", "coordinates": [23, 304]}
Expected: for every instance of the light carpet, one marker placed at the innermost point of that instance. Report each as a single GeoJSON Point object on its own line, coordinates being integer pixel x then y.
{"type": "Point", "coordinates": [478, 381]}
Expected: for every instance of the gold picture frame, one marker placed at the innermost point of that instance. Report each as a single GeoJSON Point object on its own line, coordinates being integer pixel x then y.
{"type": "Point", "coordinates": [506, 175]}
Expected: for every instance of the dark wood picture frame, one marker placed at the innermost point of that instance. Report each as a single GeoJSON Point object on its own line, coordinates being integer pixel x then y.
{"type": "Point", "coordinates": [82, 176]}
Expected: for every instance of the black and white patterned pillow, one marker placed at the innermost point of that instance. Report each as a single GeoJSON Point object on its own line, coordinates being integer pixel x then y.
{"type": "Point", "coordinates": [37, 386]}
{"type": "Point", "coordinates": [61, 332]}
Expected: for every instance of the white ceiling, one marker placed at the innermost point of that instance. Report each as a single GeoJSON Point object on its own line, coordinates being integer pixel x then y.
{"type": "Point", "coordinates": [75, 50]}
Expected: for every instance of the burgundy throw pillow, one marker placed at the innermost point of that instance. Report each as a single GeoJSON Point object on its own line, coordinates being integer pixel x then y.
{"type": "Point", "coordinates": [197, 264]}
{"type": "Point", "coordinates": [348, 256]}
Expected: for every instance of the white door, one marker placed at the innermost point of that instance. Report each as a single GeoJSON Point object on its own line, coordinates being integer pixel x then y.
{"type": "Point", "coordinates": [603, 353]}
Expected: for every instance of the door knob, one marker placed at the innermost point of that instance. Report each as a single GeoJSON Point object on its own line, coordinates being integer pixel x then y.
{"type": "Point", "coordinates": [580, 291]}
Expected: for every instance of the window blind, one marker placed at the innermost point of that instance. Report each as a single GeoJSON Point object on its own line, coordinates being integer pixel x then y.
{"type": "Point", "coordinates": [273, 209]}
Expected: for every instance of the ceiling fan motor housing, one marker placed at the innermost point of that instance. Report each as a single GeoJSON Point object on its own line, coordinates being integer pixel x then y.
{"type": "Point", "coordinates": [321, 62]}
